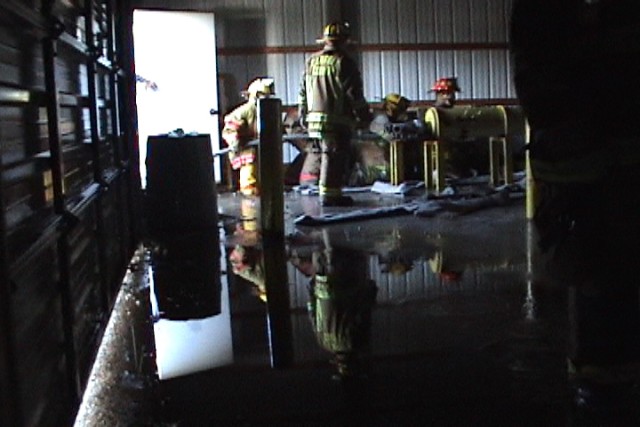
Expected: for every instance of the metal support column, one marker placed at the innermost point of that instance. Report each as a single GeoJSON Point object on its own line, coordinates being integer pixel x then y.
{"type": "Point", "coordinates": [271, 184]}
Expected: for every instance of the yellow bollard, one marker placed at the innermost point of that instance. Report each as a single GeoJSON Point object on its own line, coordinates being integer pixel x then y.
{"type": "Point", "coordinates": [396, 161]}
{"type": "Point", "coordinates": [530, 181]}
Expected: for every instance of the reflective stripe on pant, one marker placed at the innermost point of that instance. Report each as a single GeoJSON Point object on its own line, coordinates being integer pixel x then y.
{"type": "Point", "coordinates": [334, 164]}
{"type": "Point", "coordinates": [248, 178]}
{"type": "Point", "coordinates": [237, 159]}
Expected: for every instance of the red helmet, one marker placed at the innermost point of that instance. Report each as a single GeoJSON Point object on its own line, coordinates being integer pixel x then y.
{"type": "Point", "coordinates": [446, 84]}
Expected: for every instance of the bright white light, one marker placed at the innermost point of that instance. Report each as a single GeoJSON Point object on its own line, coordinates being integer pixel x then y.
{"type": "Point", "coordinates": [175, 50]}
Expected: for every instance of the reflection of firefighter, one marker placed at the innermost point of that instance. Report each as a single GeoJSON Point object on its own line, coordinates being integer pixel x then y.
{"type": "Point", "coordinates": [240, 127]}
{"type": "Point", "coordinates": [247, 262]}
{"type": "Point", "coordinates": [246, 258]}
{"type": "Point", "coordinates": [395, 256]}
{"type": "Point", "coordinates": [445, 270]}
{"type": "Point", "coordinates": [340, 305]}
{"type": "Point", "coordinates": [584, 160]}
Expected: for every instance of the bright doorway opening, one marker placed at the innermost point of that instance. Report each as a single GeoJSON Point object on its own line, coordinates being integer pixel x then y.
{"type": "Point", "coordinates": [176, 73]}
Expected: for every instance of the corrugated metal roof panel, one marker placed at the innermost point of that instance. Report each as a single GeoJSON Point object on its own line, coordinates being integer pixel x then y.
{"type": "Point", "coordinates": [372, 76]}
{"type": "Point", "coordinates": [426, 21]}
{"type": "Point", "coordinates": [409, 75]}
{"type": "Point", "coordinates": [480, 74]}
{"type": "Point", "coordinates": [294, 31]}
{"type": "Point", "coordinates": [479, 30]}
{"type": "Point", "coordinates": [407, 21]}
{"type": "Point", "coordinates": [295, 67]}
{"type": "Point", "coordinates": [463, 71]}
{"type": "Point", "coordinates": [443, 23]}
{"type": "Point", "coordinates": [369, 22]}
{"type": "Point", "coordinates": [387, 21]}
{"type": "Point", "coordinates": [275, 28]}
{"type": "Point", "coordinates": [390, 70]}
{"type": "Point", "coordinates": [461, 21]}
{"type": "Point", "coordinates": [312, 21]}
{"type": "Point", "coordinates": [427, 74]}
{"type": "Point", "coordinates": [497, 19]}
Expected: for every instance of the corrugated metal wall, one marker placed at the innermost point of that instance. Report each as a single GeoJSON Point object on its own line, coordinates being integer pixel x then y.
{"type": "Point", "coordinates": [403, 45]}
{"type": "Point", "coordinates": [65, 200]}
{"type": "Point", "coordinates": [435, 38]}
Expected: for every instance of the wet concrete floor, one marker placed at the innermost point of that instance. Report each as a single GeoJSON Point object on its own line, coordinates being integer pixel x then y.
{"type": "Point", "coordinates": [445, 320]}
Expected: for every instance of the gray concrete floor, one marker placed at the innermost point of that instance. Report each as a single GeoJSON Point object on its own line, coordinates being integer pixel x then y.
{"type": "Point", "coordinates": [464, 329]}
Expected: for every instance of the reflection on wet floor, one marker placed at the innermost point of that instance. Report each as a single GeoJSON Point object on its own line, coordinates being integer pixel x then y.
{"type": "Point", "coordinates": [375, 322]}
{"type": "Point", "coordinates": [400, 320]}
{"type": "Point", "coordinates": [191, 319]}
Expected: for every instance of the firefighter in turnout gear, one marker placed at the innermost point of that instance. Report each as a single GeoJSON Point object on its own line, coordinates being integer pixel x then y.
{"type": "Point", "coordinates": [464, 159]}
{"type": "Point", "coordinates": [585, 158]}
{"type": "Point", "coordinates": [394, 110]}
{"type": "Point", "coordinates": [374, 155]}
{"type": "Point", "coordinates": [445, 90]}
{"type": "Point", "coordinates": [241, 127]}
{"type": "Point", "coordinates": [330, 102]}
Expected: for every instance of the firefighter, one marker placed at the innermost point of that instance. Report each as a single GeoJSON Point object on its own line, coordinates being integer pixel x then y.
{"type": "Point", "coordinates": [330, 101]}
{"type": "Point", "coordinates": [306, 166]}
{"type": "Point", "coordinates": [241, 127]}
{"type": "Point", "coordinates": [445, 90]}
{"type": "Point", "coordinates": [465, 159]}
{"type": "Point", "coordinates": [292, 173]}
{"type": "Point", "coordinates": [394, 110]}
{"type": "Point", "coordinates": [584, 160]}
{"type": "Point", "coordinates": [372, 156]}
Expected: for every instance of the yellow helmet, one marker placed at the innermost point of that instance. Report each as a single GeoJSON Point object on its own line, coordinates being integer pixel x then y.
{"type": "Point", "coordinates": [395, 104]}
{"type": "Point", "coordinates": [260, 87]}
{"type": "Point", "coordinates": [336, 31]}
